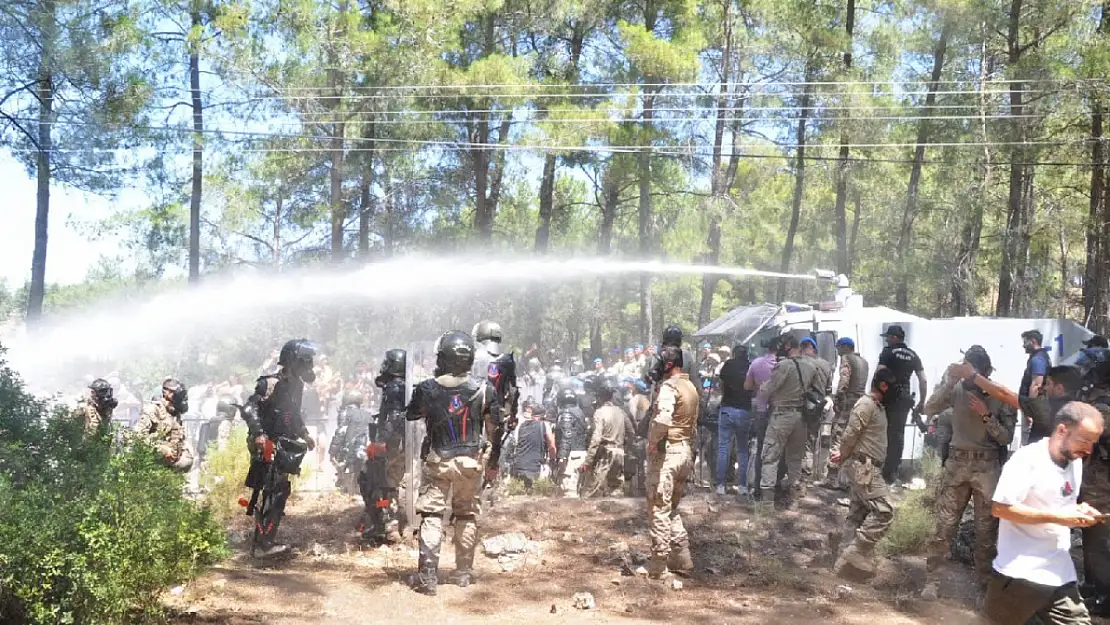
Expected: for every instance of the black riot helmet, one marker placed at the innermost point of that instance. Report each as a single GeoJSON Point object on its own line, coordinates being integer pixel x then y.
{"type": "Point", "coordinates": [351, 397]}
{"type": "Point", "coordinates": [672, 335]}
{"type": "Point", "coordinates": [226, 407]}
{"type": "Point", "coordinates": [296, 358]}
{"type": "Point", "coordinates": [178, 395]}
{"type": "Point", "coordinates": [487, 331]}
{"type": "Point", "coordinates": [567, 397]}
{"type": "Point", "coordinates": [454, 353]}
{"type": "Point", "coordinates": [103, 395]}
{"type": "Point", "coordinates": [606, 388]}
{"type": "Point", "coordinates": [393, 367]}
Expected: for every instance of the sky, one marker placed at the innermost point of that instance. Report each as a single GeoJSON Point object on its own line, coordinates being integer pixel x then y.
{"type": "Point", "coordinates": [70, 253]}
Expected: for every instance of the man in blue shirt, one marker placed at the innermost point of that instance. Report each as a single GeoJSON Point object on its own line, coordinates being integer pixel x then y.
{"type": "Point", "coordinates": [1036, 368]}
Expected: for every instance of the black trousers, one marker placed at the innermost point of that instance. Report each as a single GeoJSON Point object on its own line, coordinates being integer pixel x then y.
{"type": "Point", "coordinates": [897, 416]}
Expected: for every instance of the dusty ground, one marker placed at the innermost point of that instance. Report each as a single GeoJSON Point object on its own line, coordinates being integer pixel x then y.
{"type": "Point", "coordinates": [749, 570]}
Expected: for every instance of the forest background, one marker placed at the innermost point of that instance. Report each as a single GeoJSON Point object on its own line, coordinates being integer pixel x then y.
{"type": "Point", "coordinates": [946, 155]}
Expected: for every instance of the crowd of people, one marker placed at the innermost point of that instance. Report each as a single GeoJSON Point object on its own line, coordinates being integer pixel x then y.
{"type": "Point", "coordinates": [639, 422]}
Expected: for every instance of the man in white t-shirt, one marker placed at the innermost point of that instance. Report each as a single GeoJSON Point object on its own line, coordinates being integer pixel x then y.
{"type": "Point", "coordinates": [1035, 501]}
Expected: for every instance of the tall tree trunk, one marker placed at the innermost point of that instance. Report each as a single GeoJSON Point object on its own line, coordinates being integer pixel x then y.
{"type": "Point", "coordinates": [547, 201]}
{"type": "Point", "coordinates": [1094, 313]}
{"type": "Point", "coordinates": [718, 184]}
{"type": "Point", "coordinates": [799, 177]}
{"type": "Point", "coordinates": [645, 215]}
{"type": "Point", "coordinates": [276, 258]}
{"type": "Point", "coordinates": [366, 206]}
{"type": "Point", "coordinates": [45, 88]}
{"type": "Point", "coordinates": [1015, 219]}
{"type": "Point", "coordinates": [338, 130]}
{"type": "Point", "coordinates": [1092, 278]}
{"type": "Point", "coordinates": [905, 236]}
{"type": "Point", "coordinates": [840, 210]}
{"type": "Point", "coordinates": [610, 200]}
{"type": "Point", "coordinates": [387, 230]}
{"type": "Point", "coordinates": [550, 161]}
{"type": "Point", "coordinates": [963, 276]}
{"type": "Point", "coordinates": [857, 216]}
{"type": "Point", "coordinates": [198, 152]}
{"type": "Point", "coordinates": [644, 170]}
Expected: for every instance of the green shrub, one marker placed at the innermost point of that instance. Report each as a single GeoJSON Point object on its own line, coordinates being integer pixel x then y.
{"type": "Point", "coordinates": [914, 517]}
{"type": "Point", "coordinates": [222, 475]}
{"type": "Point", "coordinates": [88, 534]}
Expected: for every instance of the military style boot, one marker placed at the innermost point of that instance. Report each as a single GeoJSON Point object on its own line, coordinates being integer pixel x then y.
{"type": "Point", "coordinates": [657, 566]}
{"type": "Point", "coordinates": [857, 561]}
{"type": "Point", "coordinates": [427, 576]}
{"type": "Point", "coordinates": [680, 562]}
{"type": "Point", "coordinates": [766, 502]}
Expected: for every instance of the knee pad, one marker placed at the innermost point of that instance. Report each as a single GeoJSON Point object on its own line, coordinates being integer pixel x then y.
{"type": "Point", "coordinates": [464, 517]}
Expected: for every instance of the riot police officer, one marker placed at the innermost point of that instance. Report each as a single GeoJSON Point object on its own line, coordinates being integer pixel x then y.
{"type": "Point", "coordinates": [458, 410]}
{"type": "Point", "coordinates": [273, 415]}
{"type": "Point", "coordinates": [347, 449]}
{"type": "Point", "coordinates": [385, 462]}
{"type": "Point", "coordinates": [499, 369]}
{"type": "Point", "coordinates": [570, 439]}
{"type": "Point", "coordinates": [96, 408]}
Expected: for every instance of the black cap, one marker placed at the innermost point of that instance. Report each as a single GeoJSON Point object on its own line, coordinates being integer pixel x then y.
{"type": "Point", "coordinates": [894, 331]}
{"type": "Point", "coordinates": [1097, 340]}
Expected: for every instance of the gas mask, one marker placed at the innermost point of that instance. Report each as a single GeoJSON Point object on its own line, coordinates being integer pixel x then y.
{"type": "Point", "coordinates": [296, 358]}
{"type": "Point", "coordinates": [105, 400]}
{"type": "Point", "coordinates": [102, 395]}
{"type": "Point", "coordinates": [302, 369]}
{"type": "Point", "coordinates": [178, 398]}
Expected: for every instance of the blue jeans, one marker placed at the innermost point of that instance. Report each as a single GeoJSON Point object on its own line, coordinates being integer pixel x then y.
{"type": "Point", "coordinates": [734, 422]}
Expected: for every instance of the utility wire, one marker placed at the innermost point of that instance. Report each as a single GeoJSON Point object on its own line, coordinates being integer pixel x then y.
{"type": "Point", "coordinates": [584, 147]}
{"type": "Point", "coordinates": [602, 95]}
{"type": "Point", "coordinates": [730, 84]}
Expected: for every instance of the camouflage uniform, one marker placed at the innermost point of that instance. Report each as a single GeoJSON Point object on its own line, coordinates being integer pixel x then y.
{"type": "Point", "coordinates": [165, 433]}
{"type": "Point", "coordinates": [822, 383]}
{"type": "Point", "coordinates": [1095, 490]}
{"type": "Point", "coordinates": [91, 416]}
{"type": "Point", "coordinates": [670, 464]}
{"type": "Point", "coordinates": [786, 430]}
{"type": "Point", "coordinates": [851, 386]}
{"type": "Point", "coordinates": [977, 451]}
{"type": "Point", "coordinates": [605, 456]}
{"type": "Point", "coordinates": [862, 449]}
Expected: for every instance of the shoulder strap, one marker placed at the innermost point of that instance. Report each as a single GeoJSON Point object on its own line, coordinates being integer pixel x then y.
{"type": "Point", "coordinates": [806, 386]}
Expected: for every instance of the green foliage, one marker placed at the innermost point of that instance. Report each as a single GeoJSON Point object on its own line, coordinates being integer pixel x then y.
{"type": "Point", "coordinates": [221, 475]}
{"type": "Point", "coordinates": [88, 534]}
{"type": "Point", "coordinates": [433, 103]}
{"type": "Point", "coordinates": [542, 487]}
{"type": "Point", "coordinates": [914, 516]}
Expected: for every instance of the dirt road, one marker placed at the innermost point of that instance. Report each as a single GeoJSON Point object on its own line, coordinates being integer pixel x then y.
{"type": "Point", "coordinates": [749, 570]}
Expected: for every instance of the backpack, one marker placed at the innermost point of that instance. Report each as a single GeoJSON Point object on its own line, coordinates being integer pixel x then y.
{"type": "Point", "coordinates": [813, 404]}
